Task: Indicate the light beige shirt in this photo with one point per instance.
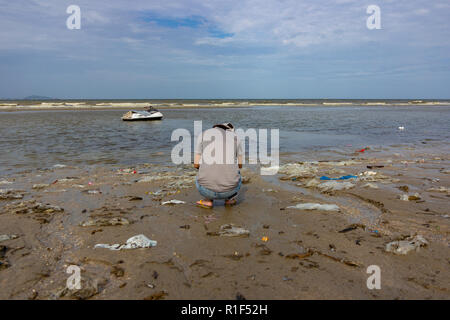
(219, 150)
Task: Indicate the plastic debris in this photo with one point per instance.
(127, 171)
(40, 186)
(374, 167)
(346, 163)
(352, 227)
(369, 185)
(104, 222)
(139, 241)
(5, 237)
(229, 230)
(406, 246)
(406, 197)
(335, 186)
(315, 206)
(59, 166)
(68, 179)
(298, 171)
(312, 183)
(11, 194)
(373, 176)
(265, 239)
(172, 202)
(92, 191)
(440, 189)
(341, 178)
(5, 182)
(245, 179)
(362, 150)
(327, 186)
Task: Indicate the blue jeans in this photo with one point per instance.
(212, 195)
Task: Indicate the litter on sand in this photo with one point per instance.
(406, 246)
(172, 202)
(229, 230)
(440, 189)
(341, 178)
(369, 185)
(315, 206)
(298, 171)
(11, 194)
(406, 197)
(335, 186)
(139, 241)
(5, 237)
(374, 167)
(40, 186)
(105, 222)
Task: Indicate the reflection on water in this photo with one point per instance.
(39, 139)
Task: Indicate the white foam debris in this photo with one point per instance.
(40, 186)
(335, 186)
(405, 197)
(139, 241)
(440, 189)
(5, 237)
(174, 201)
(372, 176)
(299, 171)
(406, 246)
(5, 182)
(370, 186)
(315, 206)
(269, 171)
(230, 230)
(11, 194)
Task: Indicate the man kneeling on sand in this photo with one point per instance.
(218, 156)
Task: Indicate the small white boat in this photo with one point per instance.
(149, 114)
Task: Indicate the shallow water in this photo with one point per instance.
(40, 139)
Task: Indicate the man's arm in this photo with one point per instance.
(240, 161)
(197, 160)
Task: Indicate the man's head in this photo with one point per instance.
(224, 126)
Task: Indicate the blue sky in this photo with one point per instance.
(225, 49)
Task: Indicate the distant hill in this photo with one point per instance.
(34, 97)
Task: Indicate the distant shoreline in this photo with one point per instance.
(30, 105)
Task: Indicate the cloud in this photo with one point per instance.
(218, 40)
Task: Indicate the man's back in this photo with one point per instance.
(219, 150)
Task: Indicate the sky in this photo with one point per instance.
(210, 49)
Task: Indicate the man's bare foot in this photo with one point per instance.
(205, 204)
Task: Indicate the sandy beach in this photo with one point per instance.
(52, 218)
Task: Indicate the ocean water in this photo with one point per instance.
(41, 139)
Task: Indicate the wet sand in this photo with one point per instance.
(288, 254)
